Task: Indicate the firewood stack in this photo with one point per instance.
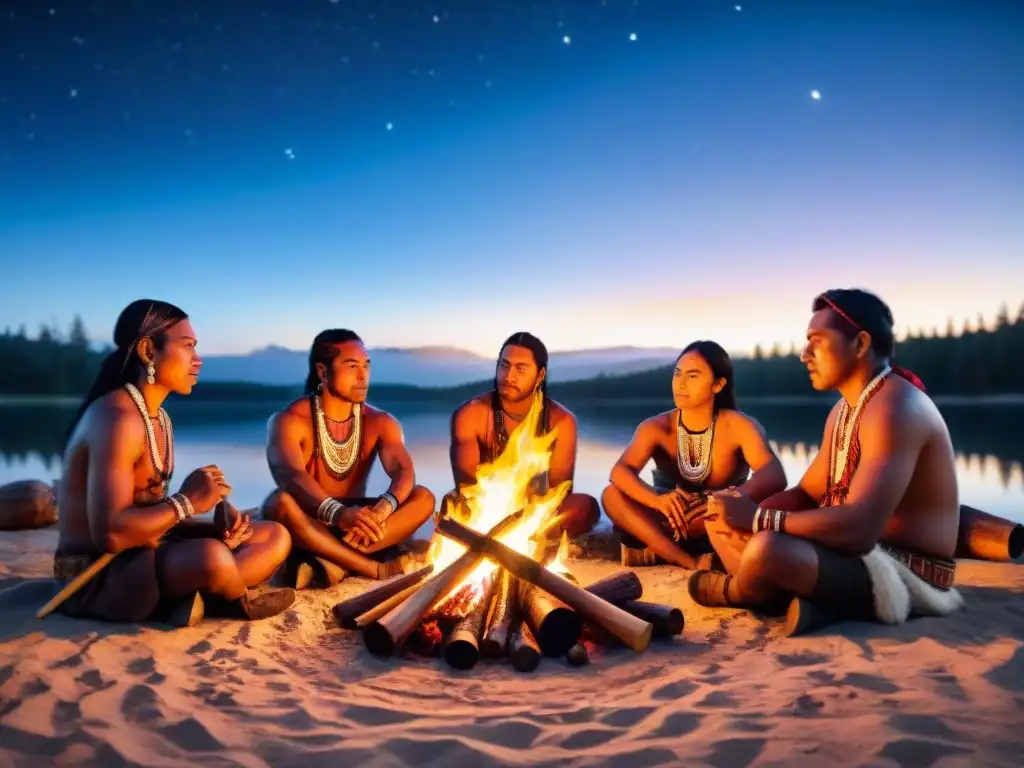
(523, 611)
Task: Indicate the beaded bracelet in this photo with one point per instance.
(390, 499)
(769, 520)
(328, 510)
(182, 506)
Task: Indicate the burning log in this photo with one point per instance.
(347, 611)
(365, 619)
(523, 651)
(462, 650)
(987, 537)
(499, 616)
(636, 633)
(578, 655)
(388, 632)
(554, 624)
(667, 620)
(618, 588)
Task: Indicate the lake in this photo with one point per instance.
(988, 440)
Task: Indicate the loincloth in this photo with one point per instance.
(906, 584)
(125, 591)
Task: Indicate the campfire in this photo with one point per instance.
(493, 588)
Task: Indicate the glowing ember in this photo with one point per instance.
(502, 489)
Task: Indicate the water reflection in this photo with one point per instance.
(988, 463)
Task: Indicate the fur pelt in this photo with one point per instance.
(900, 593)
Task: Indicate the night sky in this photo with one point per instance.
(600, 172)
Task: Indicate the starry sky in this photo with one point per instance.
(601, 172)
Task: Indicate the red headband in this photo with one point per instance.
(899, 370)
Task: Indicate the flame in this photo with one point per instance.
(558, 564)
(502, 489)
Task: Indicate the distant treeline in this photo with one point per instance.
(977, 360)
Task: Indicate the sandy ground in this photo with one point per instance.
(298, 691)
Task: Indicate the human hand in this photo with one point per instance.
(361, 523)
(672, 505)
(239, 532)
(205, 487)
(735, 509)
(381, 511)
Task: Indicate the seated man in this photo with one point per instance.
(320, 450)
(703, 444)
(118, 461)
(870, 531)
(480, 429)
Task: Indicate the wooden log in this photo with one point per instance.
(578, 655)
(365, 619)
(499, 617)
(387, 633)
(667, 620)
(462, 649)
(26, 504)
(523, 651)
(983, 536)
(347, 611)
(618, 587)
(554, 624)
(634, 632)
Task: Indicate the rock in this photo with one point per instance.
(26, 504)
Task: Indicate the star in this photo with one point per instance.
(289, 153)
(437, 19)
(389, 126)
(739, 7)
(632, 36)
(566, 39)
(73, 93)
(816, 95)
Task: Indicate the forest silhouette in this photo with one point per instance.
(977, 359)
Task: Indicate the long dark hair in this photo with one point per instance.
(540, 357)
(324, 350)
(720, 363)
(143, 318)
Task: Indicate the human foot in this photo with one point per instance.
(710, 589)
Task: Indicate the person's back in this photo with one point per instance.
(927, 516)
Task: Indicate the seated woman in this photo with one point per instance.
(118, 462)
(702, 445)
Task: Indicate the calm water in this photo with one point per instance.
(988, 439)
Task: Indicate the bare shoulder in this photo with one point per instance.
(560, 416)
(295, 419)
(379, 419)
(660, 424)
(115, 417)
(739, 422)
(899, 405)
(475, 410)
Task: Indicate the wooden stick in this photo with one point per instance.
(554, 624)
(385, 635)
(618, 587)
(983, 536)
(462, 649)
(347, 611)
(667, 620)
(500, 616)
(634, 632)
(365, 619)
(523, 651)
(75, 584)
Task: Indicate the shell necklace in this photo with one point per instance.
(843, 429)
(339, 457)
(154, 454)
(694, 471)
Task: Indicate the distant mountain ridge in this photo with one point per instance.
(434, 366)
